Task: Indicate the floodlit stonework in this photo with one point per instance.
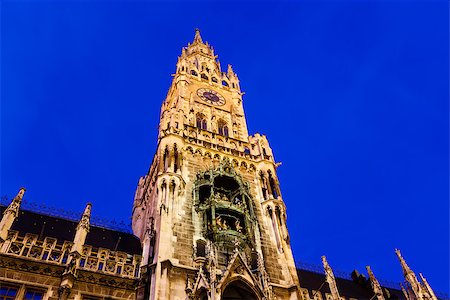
(210, 212)
(209, 220)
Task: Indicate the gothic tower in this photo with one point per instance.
(209, 213)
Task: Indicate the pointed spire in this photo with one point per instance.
(198, 37)
(410, 277)
(405, 267)
(330, 279)
(10, 214)
(428, 287)
(82, 230)
(230, 70)
(376, 287)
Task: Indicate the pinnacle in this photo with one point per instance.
(197, 38)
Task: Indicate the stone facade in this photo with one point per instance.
(38, 260)
(210, 212)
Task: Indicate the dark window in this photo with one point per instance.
(203, 76)
(175, 158)
(214, 79)
(201, 121)
(223, 128)
(8, 292)
(194, 73)
(201, 248)
(166, 159)
(34, 295)
(273, 186)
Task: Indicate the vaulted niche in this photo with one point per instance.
(224, 205)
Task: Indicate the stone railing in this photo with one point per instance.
(111, 262)
(50, 251)
(221, 143)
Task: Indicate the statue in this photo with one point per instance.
(238, 226)
(224, 225)
(219, 222)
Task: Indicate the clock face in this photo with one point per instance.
(210, 96)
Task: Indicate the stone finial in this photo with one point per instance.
(376, 287)
(428, 288)
(230, 70)
(10, 214)
(405, 268)
(330, 279)
(85, 218)
(198, 37)
(82, 230)
(410, 277)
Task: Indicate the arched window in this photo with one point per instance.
(223, 128)
(214, 79)
(224, 83)
(175, 159)
(201, 248)
(203, 76)
(273, 186)
(263, 185)
(166, 159)
(201, 121)
(194, 73)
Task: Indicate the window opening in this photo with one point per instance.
(8, 292)
(201, 121)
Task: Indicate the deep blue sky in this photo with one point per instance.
(353, 96)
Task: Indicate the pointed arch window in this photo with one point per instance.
(273, 186)
(201, 121)
(175, 159)
(203, 76)
(214, 79)
(194, 73)
(223, 128)
(166, 159)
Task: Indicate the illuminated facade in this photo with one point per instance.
(209, 220)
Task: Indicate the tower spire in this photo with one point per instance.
(198, 37)
(330, 279)
(10, 214)
(376, 287)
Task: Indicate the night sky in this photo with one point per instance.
(352, 95)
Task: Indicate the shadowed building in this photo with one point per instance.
(209, 220)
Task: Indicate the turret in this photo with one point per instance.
(376, 287)
(330, 279)
(10, 215)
